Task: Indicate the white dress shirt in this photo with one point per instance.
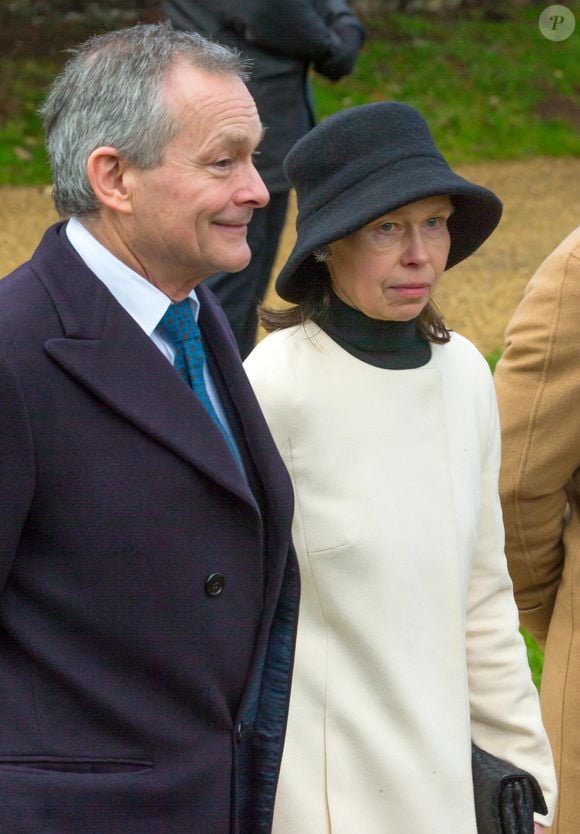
(142, 300)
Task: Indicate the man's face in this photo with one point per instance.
(190, 213)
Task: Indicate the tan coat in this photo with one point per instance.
(408, 640)
(538, 386)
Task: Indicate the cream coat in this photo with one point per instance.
(408, 639)
(538, 386)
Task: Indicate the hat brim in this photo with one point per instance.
(477, 211)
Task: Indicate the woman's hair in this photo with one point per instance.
(315, 306)
(111, 93)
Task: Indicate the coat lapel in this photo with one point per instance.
(109, 354)
(276, 485)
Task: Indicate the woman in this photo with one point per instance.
(408, 643)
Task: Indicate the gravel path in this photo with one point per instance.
(542, 205)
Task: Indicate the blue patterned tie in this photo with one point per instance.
(181, 329)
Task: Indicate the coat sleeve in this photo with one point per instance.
(350, 33)
(318, 32)
(538, 387)
(17, 466)
(504, 704)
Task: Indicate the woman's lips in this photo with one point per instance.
(411, 290)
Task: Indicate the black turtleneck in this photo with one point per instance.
(396, 345)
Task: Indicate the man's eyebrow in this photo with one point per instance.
(236, 138)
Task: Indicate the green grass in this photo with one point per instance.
(22, 155)
(478, 83)
(535, 657)
(493, 358)
(481, 85)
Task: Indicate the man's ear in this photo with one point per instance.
(107, 172)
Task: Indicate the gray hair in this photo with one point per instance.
(111, 93)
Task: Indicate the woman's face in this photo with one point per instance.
(389, 268)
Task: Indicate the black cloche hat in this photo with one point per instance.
(364, 162)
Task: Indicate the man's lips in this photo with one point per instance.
(235, 225)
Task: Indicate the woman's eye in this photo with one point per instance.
(223, 163)
(435, 222)
(387, 227)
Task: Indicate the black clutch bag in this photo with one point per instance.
(505, 796)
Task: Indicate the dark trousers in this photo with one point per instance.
(239, 293)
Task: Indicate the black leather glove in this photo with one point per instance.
(341, 60)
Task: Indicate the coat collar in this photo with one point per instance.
(108, 353)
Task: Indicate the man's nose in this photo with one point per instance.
(255, 191)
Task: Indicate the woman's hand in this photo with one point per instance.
(538, 829)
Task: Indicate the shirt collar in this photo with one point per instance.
(144, 302)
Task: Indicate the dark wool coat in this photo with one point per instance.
(283, 39)
(132, 700)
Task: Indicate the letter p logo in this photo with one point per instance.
(557, 23)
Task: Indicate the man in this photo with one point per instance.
(282, 39)
(538, 386)
(149, 591)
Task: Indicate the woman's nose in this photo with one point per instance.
(415, 251)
